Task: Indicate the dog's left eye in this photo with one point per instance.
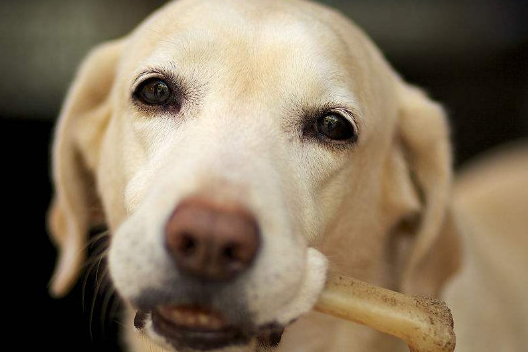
(153, 92)
(336, 127)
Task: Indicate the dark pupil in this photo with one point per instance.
(155, 92)
(335, 127)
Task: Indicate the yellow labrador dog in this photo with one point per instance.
(236, 149)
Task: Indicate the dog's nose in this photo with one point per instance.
(212, 241)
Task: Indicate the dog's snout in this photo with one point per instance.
(212, 241)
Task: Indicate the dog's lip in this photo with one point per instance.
(195, 327)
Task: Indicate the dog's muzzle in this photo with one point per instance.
(211, 245)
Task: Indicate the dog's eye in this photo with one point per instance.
(335, 127)
(153, 92)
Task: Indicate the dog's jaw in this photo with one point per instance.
(143, 336)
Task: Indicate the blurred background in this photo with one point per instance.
(471, 55)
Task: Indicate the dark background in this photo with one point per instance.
(470, 55)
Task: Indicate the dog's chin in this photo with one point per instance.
(186, 328)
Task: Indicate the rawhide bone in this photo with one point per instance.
(425, 324)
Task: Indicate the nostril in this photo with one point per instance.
(187, 244)
(231, 252)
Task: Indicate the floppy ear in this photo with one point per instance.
(424, 178)
(76, 207)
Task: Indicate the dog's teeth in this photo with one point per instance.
(204, 319)
(176, 315)
(193, 318)
(216, 324)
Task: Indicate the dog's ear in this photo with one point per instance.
(424, 177)
(79, 132)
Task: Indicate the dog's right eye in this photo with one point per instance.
(153, 91)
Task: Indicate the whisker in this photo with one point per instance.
(93, 262)
(97, 247)
(96, 292)
(109, 296)
(116, 303)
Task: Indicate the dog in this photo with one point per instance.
(237, 149)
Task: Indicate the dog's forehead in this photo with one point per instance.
(249, 47)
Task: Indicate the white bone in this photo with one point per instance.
(425, 324)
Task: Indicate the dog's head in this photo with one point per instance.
(220, 142)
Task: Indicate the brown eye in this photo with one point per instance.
(335, 127)
(153, 92)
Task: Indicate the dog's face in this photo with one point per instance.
(225, 139)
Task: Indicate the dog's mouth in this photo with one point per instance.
(201, 328)
(192, 318)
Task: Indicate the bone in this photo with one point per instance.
(425, 324)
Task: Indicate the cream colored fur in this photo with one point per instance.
(381, 210)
